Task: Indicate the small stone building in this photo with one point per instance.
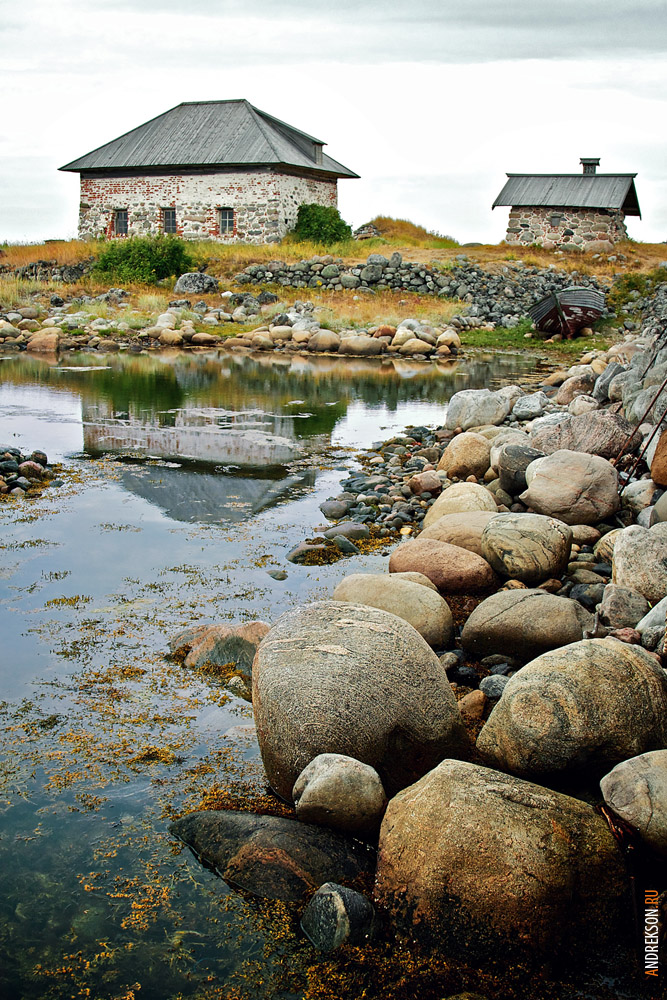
(220, 170)
(579, 210)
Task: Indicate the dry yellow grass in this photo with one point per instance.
(60, 251)
(409, 232)
(346, 309)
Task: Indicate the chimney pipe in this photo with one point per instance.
(590, 164)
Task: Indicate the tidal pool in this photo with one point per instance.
(104, 739)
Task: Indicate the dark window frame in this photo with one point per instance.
(171, 228)
(226, 221)
(121, 222)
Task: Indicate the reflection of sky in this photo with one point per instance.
(37, 417)
(363, 424)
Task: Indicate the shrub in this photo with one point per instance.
(321, 224)
(629, 286)
(145, 259)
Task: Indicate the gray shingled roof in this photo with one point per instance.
(611, 191)
(211, 133)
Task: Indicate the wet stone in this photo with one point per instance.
(334, 509)
(269, 856)
(493, 686)
(344, 545)
(337, 915)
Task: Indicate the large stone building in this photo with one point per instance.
(220, 170)
(579, 210)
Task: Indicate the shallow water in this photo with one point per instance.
(102, 737)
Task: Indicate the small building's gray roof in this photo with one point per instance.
(611, 191)
(211, 134)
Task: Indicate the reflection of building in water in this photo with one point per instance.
(189, 495)
(246, 438)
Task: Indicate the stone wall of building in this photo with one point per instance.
(556, 227)
(264, 202)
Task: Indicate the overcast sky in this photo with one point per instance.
(430, 101)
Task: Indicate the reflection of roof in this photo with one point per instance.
(611, 191)
(188, 495)
(211, 134)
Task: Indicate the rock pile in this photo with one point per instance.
(298, 329)
(52, 272)
(21, 472)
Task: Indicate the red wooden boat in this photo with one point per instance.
(567, 311)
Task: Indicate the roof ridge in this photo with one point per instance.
(583, 176)
(224, 100)
(278, 121)
(264, 129)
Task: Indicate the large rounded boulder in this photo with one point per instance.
(598, 433)
(340, 792)
(464, 529)
(459, 498)
(587, 705)
(640, 562)
(498, 867)
(422, 607)
(466, 455)
(526, 547)
(572, 486)
(523, 624)
(636, 790)
(452, 569)
(476, 407)
(348, 679)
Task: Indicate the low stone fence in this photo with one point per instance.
(51, 271)
(500, 298)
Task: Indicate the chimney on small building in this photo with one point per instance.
(590, 164)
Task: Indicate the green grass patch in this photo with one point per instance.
(503, 339)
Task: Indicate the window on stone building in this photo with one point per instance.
(226, 221)
(556, 220)
(120, 222)
(169, 220)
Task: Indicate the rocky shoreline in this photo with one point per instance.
(467, 713)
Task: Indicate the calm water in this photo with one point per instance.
(103, 738)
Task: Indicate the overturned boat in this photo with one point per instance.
(568, 310)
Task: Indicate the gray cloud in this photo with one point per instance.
(425, 30)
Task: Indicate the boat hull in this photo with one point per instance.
(568, 311)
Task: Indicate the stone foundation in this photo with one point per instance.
(265, 203)
(560, 227)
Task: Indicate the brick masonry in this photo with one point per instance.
(265, 203)
(555, 227)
